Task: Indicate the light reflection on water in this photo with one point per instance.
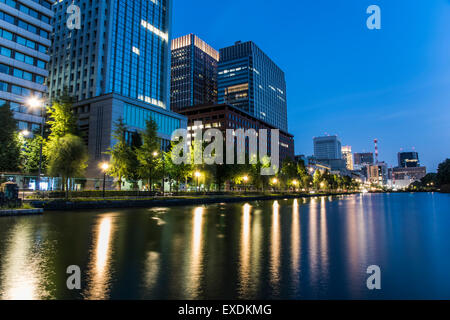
(289, 249)
(100, 272)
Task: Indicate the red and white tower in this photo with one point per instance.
(376, 150)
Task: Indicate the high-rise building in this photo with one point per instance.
(361, 159)
(194, 73)
(117, 65)
(408, 160)
(24, 41)
(348, 156)
(328, 147)
(251, 81)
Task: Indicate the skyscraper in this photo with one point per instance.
(251, 81)
(117, 66)
(24, 41)
(194, 73)
(327, 148)
(408, 160)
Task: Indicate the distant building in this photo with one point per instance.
(194, 73)
(25, 30)
(409, 173)
(225, 117)
(377, 174)
(408, 160)
(363, 158)
(249, 80)
(348, 156)
(327, 148)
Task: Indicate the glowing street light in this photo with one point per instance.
(34, 102)
(25, 133)
(245, 178)
(105, 167)
(197, 175)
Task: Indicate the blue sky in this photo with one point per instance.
(391, 84)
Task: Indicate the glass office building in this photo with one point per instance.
(24, 41)
(194, 73)
(122, 47)
(251, 81)
(328, 148)
(117, 66)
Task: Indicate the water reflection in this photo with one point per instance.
(100, 271)
(295, 244)
(195, 264)
(244, 270)
(22, 267)
(275, 249)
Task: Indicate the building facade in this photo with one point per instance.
(377, 174)
(224, 116)
(194, 73)
(348, 156)
(409, 173)
(328, 148)
(25, 29)
(408, 160)
(117, 66)
(361, 159)
(252, 82)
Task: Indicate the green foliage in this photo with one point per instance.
(68, 159)
(148, 154)
(124, 160)
(443, 174)
(9, 141)
(30, 155)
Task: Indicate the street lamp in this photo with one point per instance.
(34, 102)
(105, 167)
(274, 182)
(197, 174)
(245, 178)
(295, 184)
(25, 133)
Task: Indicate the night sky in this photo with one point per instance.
(391, 84)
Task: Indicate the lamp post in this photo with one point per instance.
(245, 178)
(154, 154)
(34, 102)
(295, 183)
(275, 182)
(105, 168)
(197, 174)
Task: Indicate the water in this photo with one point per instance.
(316, 248)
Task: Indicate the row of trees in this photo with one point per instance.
(441, 179)
(137, 157)
(64, 153)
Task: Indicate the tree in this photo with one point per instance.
(68, 159)
(148, 153)
(443, 174)
(124, 162)
(288, 172)
(317, 179)
(30, 155)
(61, 121)
(9, 141)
